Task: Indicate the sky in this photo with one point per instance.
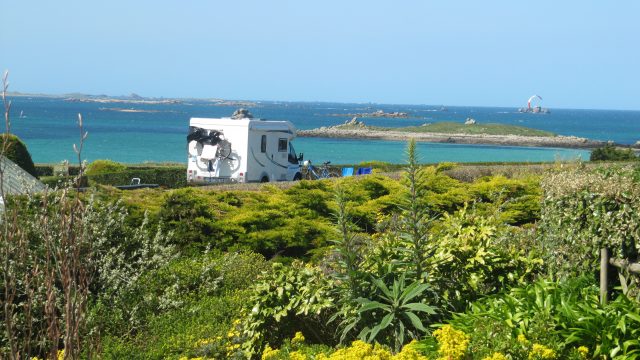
(575, 54)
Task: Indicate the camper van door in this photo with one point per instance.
(294, 165)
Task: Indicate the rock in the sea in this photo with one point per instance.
(469, 121)
(241, 114)
(354, 122)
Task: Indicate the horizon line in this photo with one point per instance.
(60, 95)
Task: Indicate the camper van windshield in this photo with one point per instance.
(293, 158)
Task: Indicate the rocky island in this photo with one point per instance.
(470, 132)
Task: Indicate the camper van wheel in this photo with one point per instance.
(297, 177)
(264, 179)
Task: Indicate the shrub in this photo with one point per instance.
(477, 255)
(584, 211)
(186, 307)
(44, 170)
(104, 166)
(611, 153)
(549, 320)
(285, 300)
(18, 153)
(192, 219)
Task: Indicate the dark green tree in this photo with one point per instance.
(18, 153)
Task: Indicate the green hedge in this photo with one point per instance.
(17, 152)
(62, 181)
(44, 170)
(166, 176)
(170, 176)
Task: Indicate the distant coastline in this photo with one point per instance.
(135, 99)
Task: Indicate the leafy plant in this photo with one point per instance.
(414, 220)
(285, 300)
(548, 317)
(390, 316)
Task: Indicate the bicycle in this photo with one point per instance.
(323, 172)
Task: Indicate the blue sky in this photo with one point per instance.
(575, 54)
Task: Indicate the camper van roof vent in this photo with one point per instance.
(242, 114)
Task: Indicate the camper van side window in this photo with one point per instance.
(263, 144)
(282, 145)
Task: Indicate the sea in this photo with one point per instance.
(157, 132)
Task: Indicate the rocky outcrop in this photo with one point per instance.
(241, 114)
(507, 140)
(470, 121)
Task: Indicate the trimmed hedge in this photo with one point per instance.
(62, 181)
(170, 176)
(104, 167)
(18, 153)
(44, 170)
(166, 176)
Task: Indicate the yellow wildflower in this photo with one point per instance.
(583, 351)
(409, 352)
(539, 351)
(296, 355)
(203, 342)
(298, 338)
(453, 343)
(496, 356)
(359, 350)
(269, 353)
(523, 340)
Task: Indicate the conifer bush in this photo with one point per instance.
(17, 152)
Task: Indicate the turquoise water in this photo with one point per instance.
(49, 127)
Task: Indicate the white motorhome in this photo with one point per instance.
(241, 149)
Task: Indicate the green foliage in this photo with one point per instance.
(285, 300)
(172, 177)
(391, 314)
(186, 307)
(104, 167)
(584, 211)
(477, 255)
(17, 152)
(192, 219)
(193, 330)
(611, 153)
(44, 170)
(562, 317)
(414, 223)
(112, 254)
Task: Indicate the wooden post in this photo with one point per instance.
(604, 274)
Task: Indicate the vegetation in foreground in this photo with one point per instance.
(422, 268)
(425, 267)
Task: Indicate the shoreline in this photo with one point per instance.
(559, 141)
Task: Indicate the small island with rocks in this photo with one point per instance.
(469, 132)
